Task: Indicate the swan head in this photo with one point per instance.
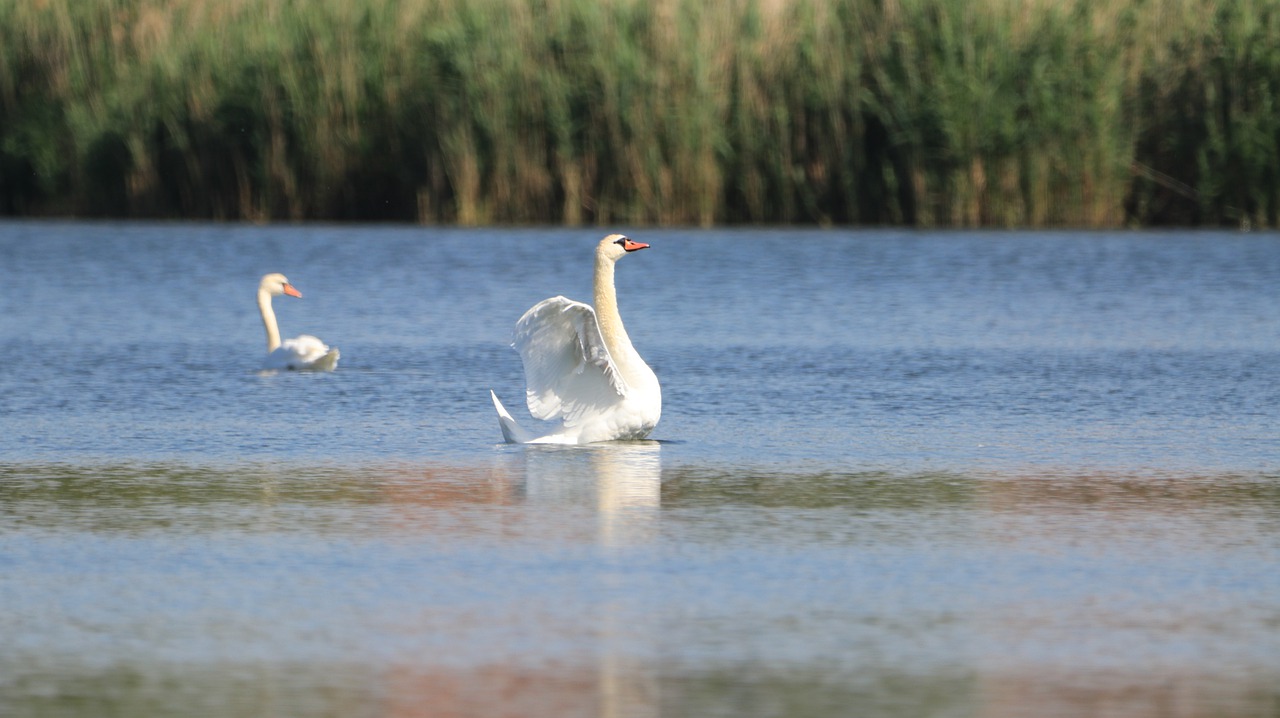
(616, 245)
(277, 284)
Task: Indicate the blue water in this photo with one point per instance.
(916, 473)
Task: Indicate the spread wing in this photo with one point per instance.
(568, 372)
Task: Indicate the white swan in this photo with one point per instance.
(301, 352)
(580, 368)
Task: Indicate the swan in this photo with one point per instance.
(581, 371)
(301, 352)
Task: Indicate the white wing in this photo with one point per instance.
(568, 372)
(303, 352)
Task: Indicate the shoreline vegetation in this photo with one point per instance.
(928, 113)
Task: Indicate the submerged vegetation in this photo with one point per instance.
(915, 112)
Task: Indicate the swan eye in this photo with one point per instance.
(622, 242)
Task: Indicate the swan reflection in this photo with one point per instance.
(621, 481)
(526, 509)
(611, 476)
(622, 484)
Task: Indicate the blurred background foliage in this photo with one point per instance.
(950, 113)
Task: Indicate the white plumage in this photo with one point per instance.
(303, 352)
(581, 372)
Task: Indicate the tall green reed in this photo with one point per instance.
(917, 112)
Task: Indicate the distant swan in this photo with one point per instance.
(580, 368)
(301, 352)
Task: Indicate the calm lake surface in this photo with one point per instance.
(897, 474)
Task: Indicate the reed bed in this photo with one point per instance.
(906, 112)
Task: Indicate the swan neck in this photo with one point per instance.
(606, 306)
(269, 320)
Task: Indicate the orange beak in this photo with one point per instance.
(291, 291)
(632, 245)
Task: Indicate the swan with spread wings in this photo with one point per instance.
(582, 374)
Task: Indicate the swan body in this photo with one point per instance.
(303, 352)
(581, 373)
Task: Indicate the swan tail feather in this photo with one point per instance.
(329, 361)
(512, 432)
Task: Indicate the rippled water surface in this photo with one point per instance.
(897, 474)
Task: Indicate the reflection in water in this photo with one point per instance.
(614, 580)
(610, 495)
(621, 481)
(1125, 614)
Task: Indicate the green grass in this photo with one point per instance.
(914, 112)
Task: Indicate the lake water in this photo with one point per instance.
(897, 474)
